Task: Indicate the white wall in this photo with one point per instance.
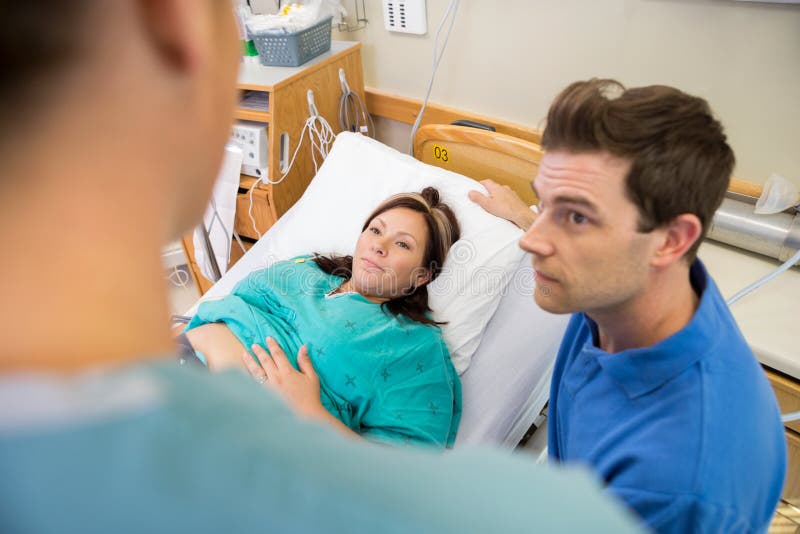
(509, 59)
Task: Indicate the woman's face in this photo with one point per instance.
(388, 259)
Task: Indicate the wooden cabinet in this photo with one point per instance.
(262, 214)
(787, 391)
(286, 89)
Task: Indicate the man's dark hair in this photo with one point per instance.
(680, 158)
(38, 39)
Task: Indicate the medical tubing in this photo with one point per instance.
(769, 238)
(437, 57)
(789, 417)
(760, 282)
(350, 99)
(320, 139)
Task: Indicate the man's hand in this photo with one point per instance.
(504, 203)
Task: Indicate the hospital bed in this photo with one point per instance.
(502, 343)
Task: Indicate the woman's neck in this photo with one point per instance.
(348, 287)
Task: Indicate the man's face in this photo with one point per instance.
(586, 250)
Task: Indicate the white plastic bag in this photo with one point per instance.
(296, 17)
(778, 194)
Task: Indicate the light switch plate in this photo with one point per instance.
(405, 16)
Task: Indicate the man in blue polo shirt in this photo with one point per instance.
(654, 386)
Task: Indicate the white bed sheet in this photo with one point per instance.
(508, 382)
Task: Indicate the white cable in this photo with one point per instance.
(353, 115)
(437, 57)
(178, 277)
(320, 138)
(760, 282)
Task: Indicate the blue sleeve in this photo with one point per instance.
(418, 399)
(667, 513)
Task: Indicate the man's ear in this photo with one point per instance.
(175, 29)
(679, 236)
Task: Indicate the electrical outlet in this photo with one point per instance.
(405, 16)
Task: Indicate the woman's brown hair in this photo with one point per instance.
(443, 231)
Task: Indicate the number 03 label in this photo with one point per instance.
(440, 154)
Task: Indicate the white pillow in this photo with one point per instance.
(358, 174)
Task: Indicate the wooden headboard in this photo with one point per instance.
(508, 160)
(481, 154)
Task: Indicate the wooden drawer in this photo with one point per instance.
(787, 391)
(262, 213)
(791, 489)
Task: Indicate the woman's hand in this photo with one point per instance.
(502, 202)
(300, 389)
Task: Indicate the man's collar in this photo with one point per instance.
(639, 371)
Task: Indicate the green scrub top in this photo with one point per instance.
(160, 448)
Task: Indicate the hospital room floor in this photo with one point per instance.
(786, 520)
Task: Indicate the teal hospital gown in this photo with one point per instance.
(390, 379)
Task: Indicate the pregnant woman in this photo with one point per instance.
(361, 350)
